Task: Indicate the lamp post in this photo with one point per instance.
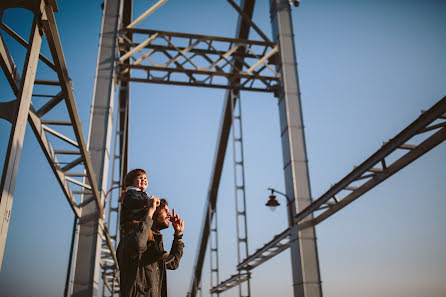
(273, 203)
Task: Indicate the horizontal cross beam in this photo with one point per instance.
(431, 124)
(199, 60)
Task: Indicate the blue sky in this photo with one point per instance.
(366, 70)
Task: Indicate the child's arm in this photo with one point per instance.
(137, 241)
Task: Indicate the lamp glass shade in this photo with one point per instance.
(272, 202)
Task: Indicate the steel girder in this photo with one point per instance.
(304, 255)
(373, 171)
(225, 127)
(119, 162)
(428, 131)
(421, 136)
(199, 60)
(278, 244)
(233, 281)
(18, 114)
(304, 258)
(89, 252)
(62, 141)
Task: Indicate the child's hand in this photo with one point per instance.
(153, 203)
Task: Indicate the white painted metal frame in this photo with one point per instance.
(19, 111)
(69, 165)
(422, 135)
(304, 256)
(205, 61)
(92, 230)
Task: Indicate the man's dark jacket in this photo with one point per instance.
(139, 274)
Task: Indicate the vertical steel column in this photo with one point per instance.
(70, 257)
(239, 184)
(213, 245)
(124, 94)
(304, 257)
(120, 146)
(88, 251)
(19, 112)
(225, 125)
(115, 184)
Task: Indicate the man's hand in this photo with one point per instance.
(177, 223)
(152, 203)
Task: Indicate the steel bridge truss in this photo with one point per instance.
(172, 58)
(47, 103)
(421, 136)
(199, 60)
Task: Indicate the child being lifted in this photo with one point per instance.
(135, 205)
(141, 257)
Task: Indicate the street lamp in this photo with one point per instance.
(273, 203)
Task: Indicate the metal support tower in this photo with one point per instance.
(305, 266)
(422, 135)
(88, 252)
(227, 68)
(119, 160)
(62, 141)
(18, 111)
(239, 191)
(304, 257)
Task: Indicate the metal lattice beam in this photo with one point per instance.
(422, 135)
(233, 281)
(225, 126)
(62, 141)
(207, 61)
(279, 243)
(19, 114)
(92, 230)
(429, 130)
